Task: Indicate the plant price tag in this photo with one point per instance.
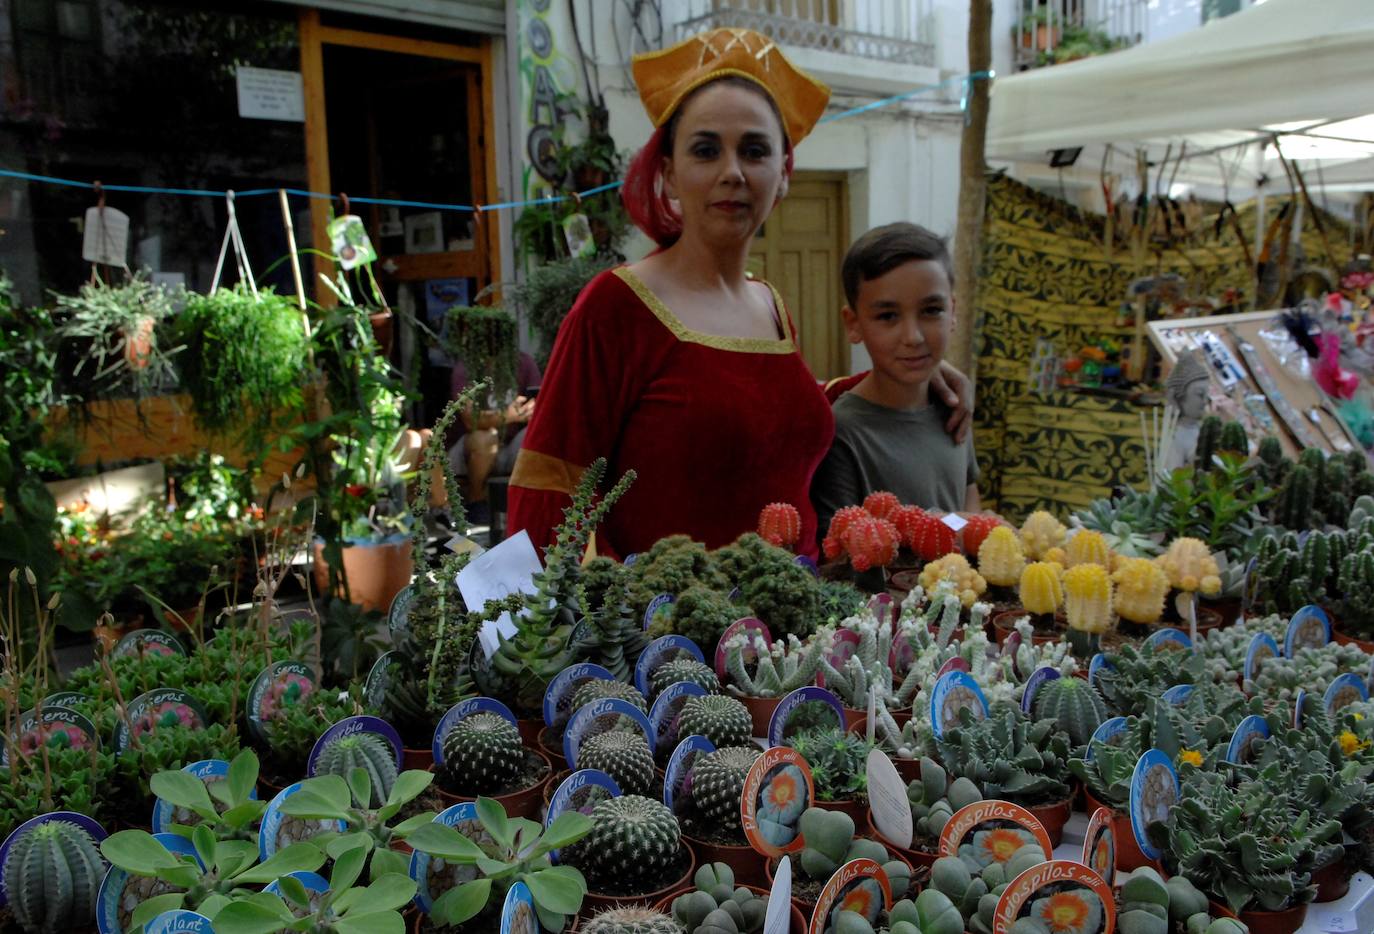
(494, 575)
(105, 237)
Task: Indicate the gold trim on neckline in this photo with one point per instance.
(782, 345)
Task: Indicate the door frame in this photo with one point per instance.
(483, 262)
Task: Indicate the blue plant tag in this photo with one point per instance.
(278, 830)
(662, 605)
(955, 691)
(1346, 689)
(809, 563)
(81, 820)
(1250, 587)
(398, 614)
(158, 709)
(1154, 792)
(313, 882)
(1163, 640)
(663, 649)
(1243, 739)
(777, 724)
(279, 685)
(1298, 702)
(1310, 628)
(1098, 665)
(461, 711)
(1262, 648)
(431, 883)
(630, 559)
(60, 727)
(350, 726)
(179, 921)
(677, 778)
(378, 682)
(144, 642)
(558, 695)
(114, 904)
(1033, 684)
(517, 914)
(598, 717)
(1177, 694)
(208, 771)
(580, 791)
(1107, 733)
(663, 716)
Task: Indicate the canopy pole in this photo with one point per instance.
(968, 240)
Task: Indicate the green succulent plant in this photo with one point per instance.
(595, 689)
(718, 785)
(622, 754)
(614, 637)
(1073, 704)
(633, 842)
(717, 905)
(782, 593)
(973, 890)
(830, 843)
(52, 876)
(678, 670)
(838, 760)
(723, 720)
(483, 754)
(1009, 756)
(934, 798)
(779, 669)
(635, 919)
(367, 751)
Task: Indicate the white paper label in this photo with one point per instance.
(269, 94)
(778, 918)
(496, 574)
(888, 801)
(106, 237)
(954, 521)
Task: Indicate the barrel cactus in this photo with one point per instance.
(718, 784)
(482, 754)
(1041, 590)
(622, 754)
(684, 669)
(602, 689)
(366, 751)
(634, 920)
(1072, 703)
(634, 842)
(52, 875)
(723, 720)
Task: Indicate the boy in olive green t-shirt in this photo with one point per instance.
(889, 430)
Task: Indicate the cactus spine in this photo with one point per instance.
(1088, 547)
(482, 754)
(1074, 704)
(601, 689)
(684, 669)
(634, 920)
(366, 751)
(723, 720)
(780, 525)
(718, 783)
(623, 755)
(633, 840)
(1087, 605)
(53, 874)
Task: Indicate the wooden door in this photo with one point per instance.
(799, 250)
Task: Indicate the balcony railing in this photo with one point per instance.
(885, 30)
(1049, 32)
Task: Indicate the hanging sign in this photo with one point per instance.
(270, 94)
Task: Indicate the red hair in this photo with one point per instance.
(644, 195)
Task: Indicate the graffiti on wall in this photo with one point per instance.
(545, 80)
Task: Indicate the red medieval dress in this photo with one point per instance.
(715, 427)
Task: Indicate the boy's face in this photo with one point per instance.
(904, 318)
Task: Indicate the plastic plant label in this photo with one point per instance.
(1250, 587)
(81, 820)
(581, 791)
(507, 568)
(144, 642)
(988, 832)
(630, 559)
(60, 728)
(888, 801)
(1243, 739)
(64, 699)
(843, 645)
(1299, 701)
(517, 913)
(860, 886)
(378, 682)
(209, 771)
(1099, 845)
(278, 686)
(1106, 734)
(278, 830)
(1177, 694)
(777, 790)
(1310, 628)
(349, 240)
(1154, 792)
(954, 521)
(105, 237)
(1061, 895)
(598, 717)
(778, 731)
(956, 663)
(809, 563)
(660, 606)
(883, 607)
(120, 893)
(1033, 684)
(778, 918)
(1346, 689)
(901, 656)
(179, 921)
(461, 544)
(1262, 648)
(661, 650)
(677, 777)
(313, 882)
(749, 624)
(1098, 664)
(351, 726)
(158, 709)
(559, 694)
(955, 691)
(462, 818)
(461, 711)
(398, 614)
(577, 233)
(663, 716)
(1169, 640)
(735, 595)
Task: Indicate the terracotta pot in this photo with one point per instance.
(909, 769)
(798, 925)
(917, 859)
(1332, 880)
(856, 808)
(1337, 635)
(853, 717)
(1228, 609)
(1002, 627)
(416, 758)
(551, 745)
(761, 711)
(182, 620)
(746, 862)
(596, 902)
(383, 330)
(551, 785)
(529, 731)
(376, 572)
(1128, 854)
(523, 803)
(1208, 619)
(1286, 921)
(902, 583)
(1053, 817)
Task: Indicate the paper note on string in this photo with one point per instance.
(494, 575)
(106, 237)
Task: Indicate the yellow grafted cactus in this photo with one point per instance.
(1040, 533)
(1056, 556)
(1141, 586)
(1000, 558)
(955, 567)
(1088, 547)
(1088, 598)
(1191, 567)
(1041, 592)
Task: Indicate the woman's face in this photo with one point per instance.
(726, 169)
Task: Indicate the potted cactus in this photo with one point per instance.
(52, 873)
(592, 689)
(1041, 592)
(1073, 704)
(633, 854)
(838, 761)
(708, 811)
(482, 755)
(723, 720)
(777, 670)
(930, 913)
(1001, 560)
(830, 842)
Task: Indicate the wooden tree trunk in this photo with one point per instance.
(968, 239)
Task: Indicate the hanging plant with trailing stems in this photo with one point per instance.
(114, 330)
(485, 339)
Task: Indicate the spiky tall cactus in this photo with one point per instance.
(52, 875)
(600, 689)
(718, 783)
(623, 755)
(781, 668)
(1209, 433)
(723, 720)
(482, 754)
(1087, 605)
(1273, 466)
(1233, 439)
(633, 842)
(614, 638)
(684, 669)
(1073, 704)
(1088, 547)
(366, 751)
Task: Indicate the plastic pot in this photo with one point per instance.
(1332, 880)
(551, 745)
(1053, 817)
(416, 758)
(376, 571)
(1002, 627)
(1128, 854)
(522, 803)
(798, 925)
(1286, 921)
(747, 863)
(760, 711)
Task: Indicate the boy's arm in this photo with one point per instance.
(972, 502)
(838, 482)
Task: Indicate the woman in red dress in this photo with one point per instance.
(681, 366)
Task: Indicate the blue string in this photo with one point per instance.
(965, 80)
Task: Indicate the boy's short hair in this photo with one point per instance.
(883, 249)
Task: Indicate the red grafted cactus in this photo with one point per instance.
(906, 519)
(780, 525)
(931, 538)
(882, 504)
(977, 529)
(871, 542)
(833, 545)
